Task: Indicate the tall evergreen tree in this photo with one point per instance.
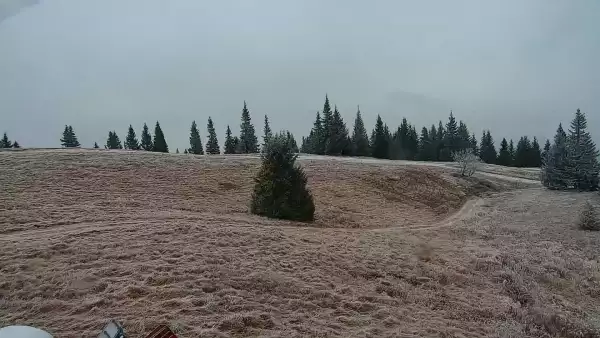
(536, 154)
(177, 151)
(248, 140)
(230, 145)
(267, 131)
(504, 156)
(546, 150)
(425, 146)
(380, 139)
(412, 144)
(5, 142)
(338, 136)
(433, 134)
(451, 139)
(523, 153)
(212, 145)
(582, 155)
(464, 138)
(96, 145)
(69, 139)
(441, 135)
(74, 141)
(554, 172)
(327, 121)
(113, 141)
(131, 141)
(65, 141)
(146, 143)
(473, 145)
(487, 149)
(293, 146)
(316, 142)
(160, 144)
(360, 139)
(195, 140)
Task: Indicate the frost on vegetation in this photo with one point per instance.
(467, 161)
(588, 219)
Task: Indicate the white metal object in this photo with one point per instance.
(18, 331)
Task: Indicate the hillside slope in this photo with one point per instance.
(151, 238)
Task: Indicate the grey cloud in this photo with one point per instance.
(513, 66)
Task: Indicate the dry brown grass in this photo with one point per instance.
(148, 238)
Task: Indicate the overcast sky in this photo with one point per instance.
(516, 67)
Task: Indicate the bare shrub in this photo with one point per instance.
(588, 219)
(467, 162)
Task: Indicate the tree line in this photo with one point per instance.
(330, 136)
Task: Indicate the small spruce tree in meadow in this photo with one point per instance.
(146, 142)
(195, 140)
(280, 189)
(5, 142)
(160, 144)
(230, 145)
(131, 141)
(212, 145)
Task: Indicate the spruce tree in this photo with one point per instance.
(582, 156)
(360, 139)
(536, 154)
(69, 139)
(554, 171)
(523, 153)
(487, 149)
(316, 139)
(380, 139)
(464, 138)
(267, 133)
(16, 145)
(146, 141)
(412, 143)
(546, 150)
(195, 140)
(280, 189)
(230, 145)
(74, 141)
(451, 139)
(96, 145)
(177, 151)
(5, 142)
(113, 141)
(441, 134)
(433, 134)
(338, 136)
(131, 141)
(293, 146)
(424, 146)
(185, 151)
(473, 145)
(248, 140)
(504, 156)
(160, 144)
(326, 126)
(212, 145)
